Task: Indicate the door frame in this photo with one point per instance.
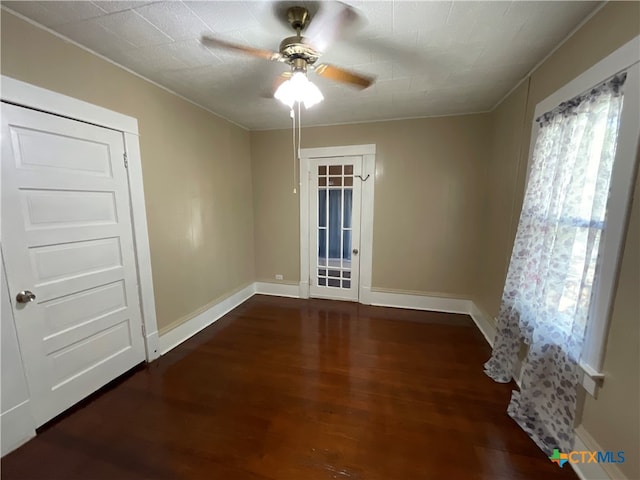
(30, 96)
(368, 154)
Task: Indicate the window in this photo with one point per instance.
(598, 232)
(564, 208)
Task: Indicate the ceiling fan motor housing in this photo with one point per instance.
(296, 48)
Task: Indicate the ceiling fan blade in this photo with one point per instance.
(341, 75)
(331, 22)
(256, 52)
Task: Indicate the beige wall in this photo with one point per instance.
(196, 167)
(612, 419)
(504, 181)
(427, 200)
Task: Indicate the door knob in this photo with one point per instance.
(25, 296)
(355, 251)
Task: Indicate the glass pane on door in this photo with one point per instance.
(335, 196)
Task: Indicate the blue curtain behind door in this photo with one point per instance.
(335, 223)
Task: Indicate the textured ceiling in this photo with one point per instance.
(430, 58)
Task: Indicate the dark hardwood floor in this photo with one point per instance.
(299, 389)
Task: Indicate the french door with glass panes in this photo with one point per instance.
(334, 218)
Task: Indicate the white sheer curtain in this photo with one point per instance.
(545, 302)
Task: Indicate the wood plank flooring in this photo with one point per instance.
(288, 389)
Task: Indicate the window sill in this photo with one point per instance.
(591, 379)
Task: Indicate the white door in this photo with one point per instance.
(67, 240)
(334, 219)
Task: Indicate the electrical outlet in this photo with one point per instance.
(279, 276)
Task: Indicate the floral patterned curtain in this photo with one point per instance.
(545, 302)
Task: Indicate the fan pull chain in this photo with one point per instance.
(296, 147)
(293, 118)
(299, 142)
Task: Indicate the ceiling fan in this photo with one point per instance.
(301, 53)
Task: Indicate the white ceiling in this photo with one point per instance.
(430, 58)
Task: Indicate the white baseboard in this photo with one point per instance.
(408, 300)
(365, 295)
(17, 427)
(152, 346)
(418, 302)
(483, 322)
(303, 290)
(188, 329)
(413, 301)
(278, 289)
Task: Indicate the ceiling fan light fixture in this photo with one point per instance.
(299, 89)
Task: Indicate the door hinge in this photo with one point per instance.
(126, 160)
(144, 331)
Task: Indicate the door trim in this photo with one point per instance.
(29, 96)
(368, 154)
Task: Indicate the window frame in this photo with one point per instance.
(627, 57)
